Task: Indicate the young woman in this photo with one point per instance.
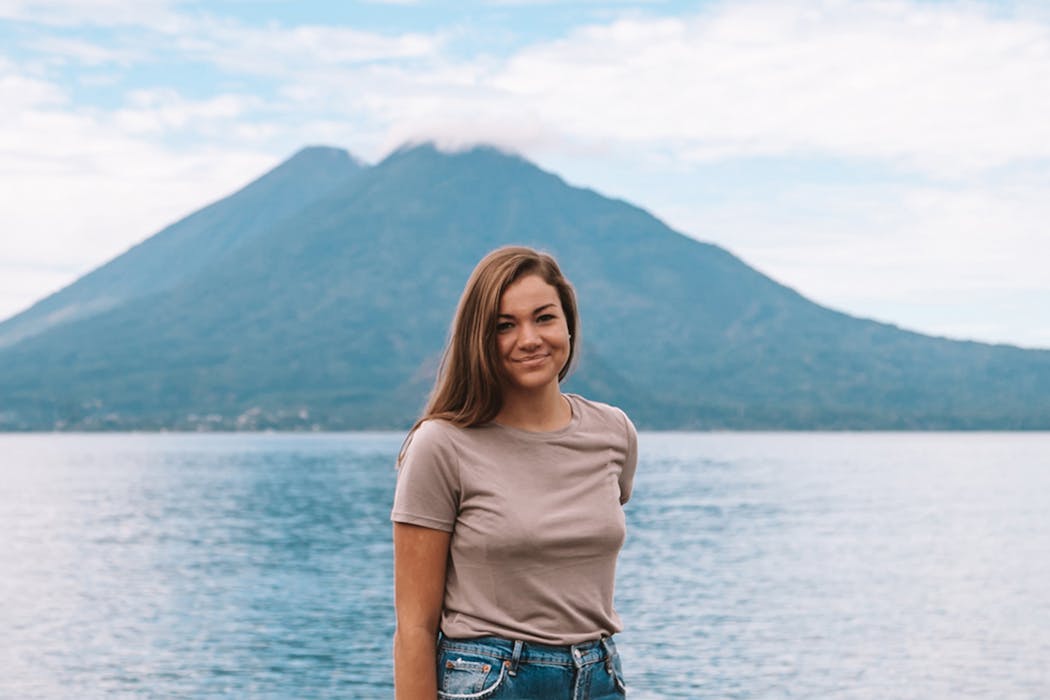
(508, 511)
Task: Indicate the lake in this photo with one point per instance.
(757, 565)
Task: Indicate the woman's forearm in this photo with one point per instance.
(415, 664)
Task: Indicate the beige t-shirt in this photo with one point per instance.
(536, 521)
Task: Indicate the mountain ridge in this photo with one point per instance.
(162, 259)
(338, 312)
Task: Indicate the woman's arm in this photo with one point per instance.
(420, 558)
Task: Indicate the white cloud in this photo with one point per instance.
(88, 204)
(85, 53)
(270, 49)
(160, 14)
(78, 188)
(19, 93)
(950, 92)
(541, 3)
(878, 80)
(948, 89)
(295, 52)
(161, 110)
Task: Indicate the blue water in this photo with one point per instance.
(756, 566)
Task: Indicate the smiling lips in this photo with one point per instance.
(532, 359)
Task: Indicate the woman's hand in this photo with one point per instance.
(420, 558)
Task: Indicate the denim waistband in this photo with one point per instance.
(515, 651)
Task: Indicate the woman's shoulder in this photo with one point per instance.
(600, 411)
(432, 436)
(436, 428)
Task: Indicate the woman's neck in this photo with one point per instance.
(538, 411)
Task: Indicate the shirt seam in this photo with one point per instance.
(400, 516)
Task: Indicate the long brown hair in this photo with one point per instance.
(467, 391)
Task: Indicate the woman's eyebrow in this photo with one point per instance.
(535, 311)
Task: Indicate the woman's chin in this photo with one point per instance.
(532, 382)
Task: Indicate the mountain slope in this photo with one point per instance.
(335, 316)
(180, 250)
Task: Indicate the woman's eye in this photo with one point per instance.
(505, 326)
(546, 317)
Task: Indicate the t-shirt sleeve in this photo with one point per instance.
(630, 462)
(428, 487)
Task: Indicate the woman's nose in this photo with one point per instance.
(529, 335)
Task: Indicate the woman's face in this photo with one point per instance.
(532, 334)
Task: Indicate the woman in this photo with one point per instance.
(508, 511)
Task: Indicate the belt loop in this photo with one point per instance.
(607, 645)
(516, 656)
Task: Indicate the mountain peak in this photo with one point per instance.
(180, 250)
(321, 156)
(310, 169)
(320, 296)
(432, 150)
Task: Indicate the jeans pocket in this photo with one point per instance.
(468, 676)
(617, 673)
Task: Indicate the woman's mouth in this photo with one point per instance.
(531, 360)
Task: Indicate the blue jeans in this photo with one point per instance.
(502, 669)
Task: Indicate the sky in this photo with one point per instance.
(886, 158)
